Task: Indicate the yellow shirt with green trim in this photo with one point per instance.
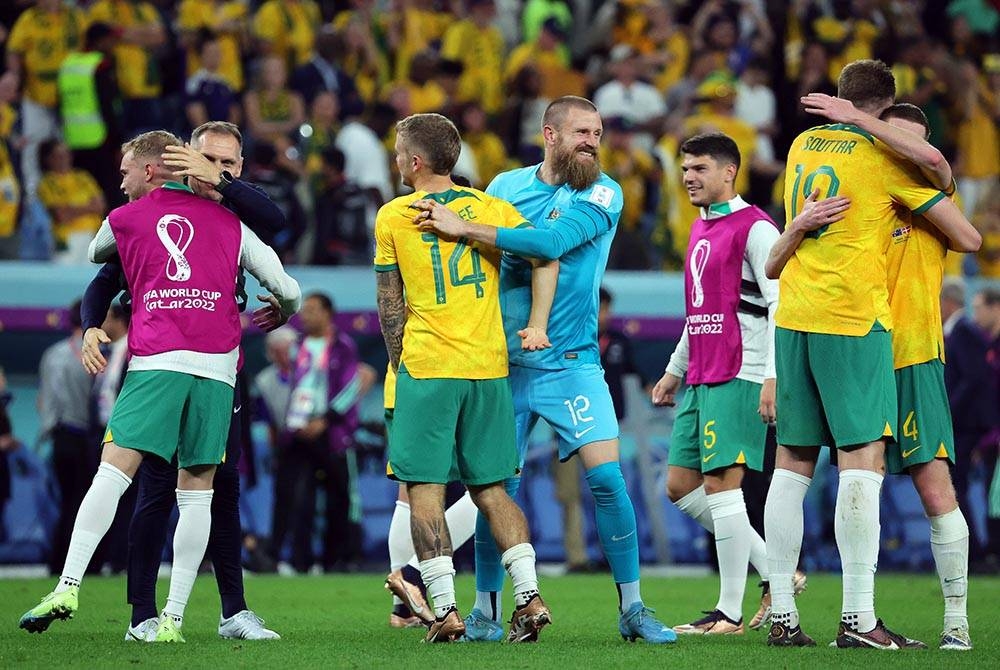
(195, 14)
(453, 325)
(137, 68)
(481, 52)
(916, 263)
(43, 40)
(290, 28)
(10, 188)
(75, 188)
(836, 282)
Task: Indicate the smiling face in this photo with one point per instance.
(573, 147)
(707, 181)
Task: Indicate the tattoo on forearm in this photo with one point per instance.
(391, 313)
(430, 538)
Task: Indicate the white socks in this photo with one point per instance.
(519, 561)
(194, 521)
(783, 528)
(438, 574)
(950, 546)
(732, 543)
(400, 540)
(695, 505)
(461, 520)
(97, 512)
(857, 529)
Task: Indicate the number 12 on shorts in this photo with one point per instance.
(578, 408)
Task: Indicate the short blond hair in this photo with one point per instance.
(432, 136)
(151, 144)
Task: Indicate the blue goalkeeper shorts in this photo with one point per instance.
(575, 402)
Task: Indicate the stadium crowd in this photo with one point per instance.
(316, 87)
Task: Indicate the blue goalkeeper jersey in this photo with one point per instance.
(576, 227)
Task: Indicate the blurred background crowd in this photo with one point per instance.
(316, 86)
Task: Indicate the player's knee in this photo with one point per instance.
(933, 483)
(606, 481)
(677, 489)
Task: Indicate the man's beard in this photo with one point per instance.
(579, 175)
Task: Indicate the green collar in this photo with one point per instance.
(177, 186)
(719, 209)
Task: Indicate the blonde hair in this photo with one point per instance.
(151, 144)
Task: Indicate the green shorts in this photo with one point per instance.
(165, 413)
(446, 430)
(718, 426)
(925, 431)
(834, 390)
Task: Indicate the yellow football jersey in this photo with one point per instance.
(195, 14)
(75, 188)
(453, 325)
(481, 52)
(916, 269)
(290, 27)
(43, 40)
(836, 281)
(136, 67)
(10, 188)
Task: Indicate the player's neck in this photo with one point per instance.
(434, 183)
(547, 174)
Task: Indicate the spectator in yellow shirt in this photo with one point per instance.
(274, 112)
(10, 189)
(141, 34)
(413, 26)
(362, 59)
(420, 88)
(636, 172)
(978, 140)
(74, 201)
(479, 45)
(227, 19)
(487, 148)
(716, 114)
(287, 29)
(548, 54)
(40, 39)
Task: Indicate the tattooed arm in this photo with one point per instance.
(391, 312)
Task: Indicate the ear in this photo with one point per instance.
(731, 171)
(549, 133)
(150, 171)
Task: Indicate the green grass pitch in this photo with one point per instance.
(341, 622)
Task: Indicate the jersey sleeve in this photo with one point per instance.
(507, 215)
(385, 249)
(605, 197)
(907, 187)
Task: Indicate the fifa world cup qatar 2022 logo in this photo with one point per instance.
(699, 259)
(169, 225)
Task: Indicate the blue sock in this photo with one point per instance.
(615, 521)
(489, 571)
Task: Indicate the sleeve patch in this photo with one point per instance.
(601, 195)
